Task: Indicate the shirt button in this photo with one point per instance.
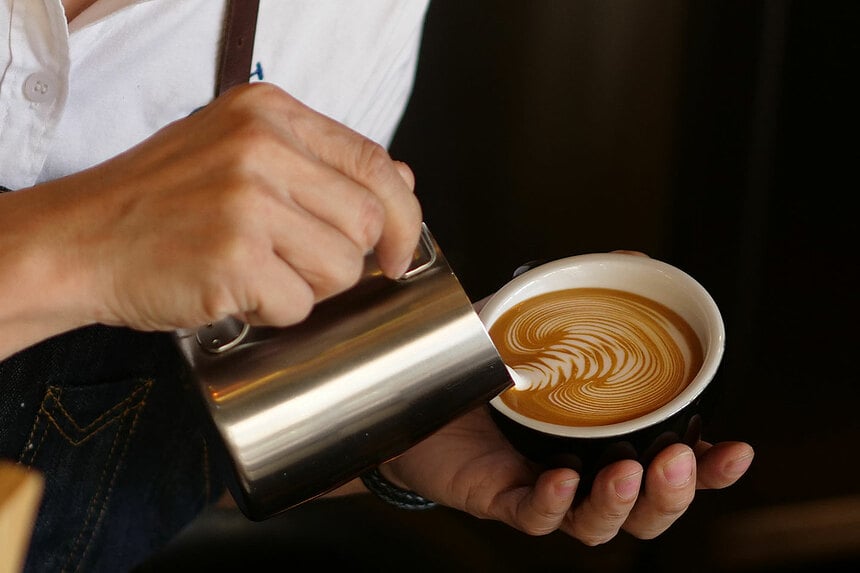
(40, 87)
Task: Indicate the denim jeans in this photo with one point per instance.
(110, 419)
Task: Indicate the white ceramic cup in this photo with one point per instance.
(588, 448)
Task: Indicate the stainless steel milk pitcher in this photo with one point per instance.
(299, 411)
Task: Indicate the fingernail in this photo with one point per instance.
(679, 470)
(566, 488)
(628, 487)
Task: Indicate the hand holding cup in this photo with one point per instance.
(613, 353)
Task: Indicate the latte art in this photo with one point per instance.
(595, 356)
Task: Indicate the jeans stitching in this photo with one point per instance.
(29, 446)
(54, 394)
(103, 498)
(45, 419)
(110, 413)
(89, 516)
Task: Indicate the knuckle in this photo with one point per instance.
(229, 255)
(354, 267)
(251, 95)
(217, 301)
(610, 524)
(674, 506)
(374, 163)
(411, 214)
(349, 271)
(299, 307)
(370, 220)
(338, 273)
(616, 516)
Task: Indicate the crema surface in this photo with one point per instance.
(595, 356)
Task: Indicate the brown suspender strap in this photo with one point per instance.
(238, 47)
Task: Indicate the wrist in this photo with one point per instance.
(388, 474)
(394, 494)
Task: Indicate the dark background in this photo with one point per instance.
(718, 136)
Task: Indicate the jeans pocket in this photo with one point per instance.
(80, 441)
(110, 418)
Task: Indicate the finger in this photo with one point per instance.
(267, 153)
(327, 194)
(328, 261)
(670, 485)
(293, 301)
(396, 246)
(721, 465)
(544, 508)
(407, 174)
(294, 261)
(369, 164)
(601, 515)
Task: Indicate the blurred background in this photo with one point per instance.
(720, 136)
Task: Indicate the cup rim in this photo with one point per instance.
(712, 354)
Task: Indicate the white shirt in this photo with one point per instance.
(74, 95)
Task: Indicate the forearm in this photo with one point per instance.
(39, 279)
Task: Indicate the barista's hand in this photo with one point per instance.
(469, 465)
(255, 206)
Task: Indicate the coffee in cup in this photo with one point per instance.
(612, 354)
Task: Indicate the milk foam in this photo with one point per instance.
(592, 356)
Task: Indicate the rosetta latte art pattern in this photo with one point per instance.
(595, 356)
